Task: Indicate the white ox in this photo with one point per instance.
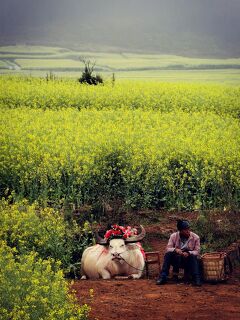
(116, 257)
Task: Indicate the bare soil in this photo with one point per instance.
(143, 299)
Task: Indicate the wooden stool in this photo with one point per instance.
(152, 258)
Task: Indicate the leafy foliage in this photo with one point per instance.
(31, 288)
(28, 228)
(148, 159)
(164, 97)
(217, 230)
(87, 76)
(144, 144)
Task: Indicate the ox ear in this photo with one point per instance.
(99, 239)
(137, 237)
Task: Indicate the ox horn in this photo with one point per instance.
(137, 237)
(99, 239)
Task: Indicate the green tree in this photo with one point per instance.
(88, 75)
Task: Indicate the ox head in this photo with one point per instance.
(117, 244)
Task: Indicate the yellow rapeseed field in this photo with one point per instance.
(149, 144)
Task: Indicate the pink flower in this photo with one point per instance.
(117, 230)
(108, 234)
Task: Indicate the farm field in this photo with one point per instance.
(152, 145)
(143, 148)
(38, 61)
(119, 160)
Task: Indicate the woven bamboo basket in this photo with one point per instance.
(213, 266)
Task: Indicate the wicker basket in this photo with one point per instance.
(213, 266)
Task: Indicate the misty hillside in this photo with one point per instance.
(184, 27)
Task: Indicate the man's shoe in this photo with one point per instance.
(161, 281)
(197, 282)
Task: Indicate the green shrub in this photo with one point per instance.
(29, 228)
(87, 76)
(31, 289)
(217, 230)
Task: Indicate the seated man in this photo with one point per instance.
(182, 251)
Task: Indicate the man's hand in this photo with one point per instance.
(178, 251)
(182, 253)
(185, 254)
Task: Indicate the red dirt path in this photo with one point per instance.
(143, 299)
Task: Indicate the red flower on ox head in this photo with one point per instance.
(117, 231)
(108, 234)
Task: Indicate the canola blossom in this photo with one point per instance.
(146, 158)
(32, 288)
(28, 228)
(143, 144)
(165, 97)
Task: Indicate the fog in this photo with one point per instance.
(194, 27)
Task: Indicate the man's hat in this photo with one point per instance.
(182, 224)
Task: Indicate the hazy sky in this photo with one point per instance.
(110, 21)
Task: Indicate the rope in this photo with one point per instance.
(130, 264)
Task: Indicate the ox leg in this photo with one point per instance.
(105, 274)
(135, 276)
